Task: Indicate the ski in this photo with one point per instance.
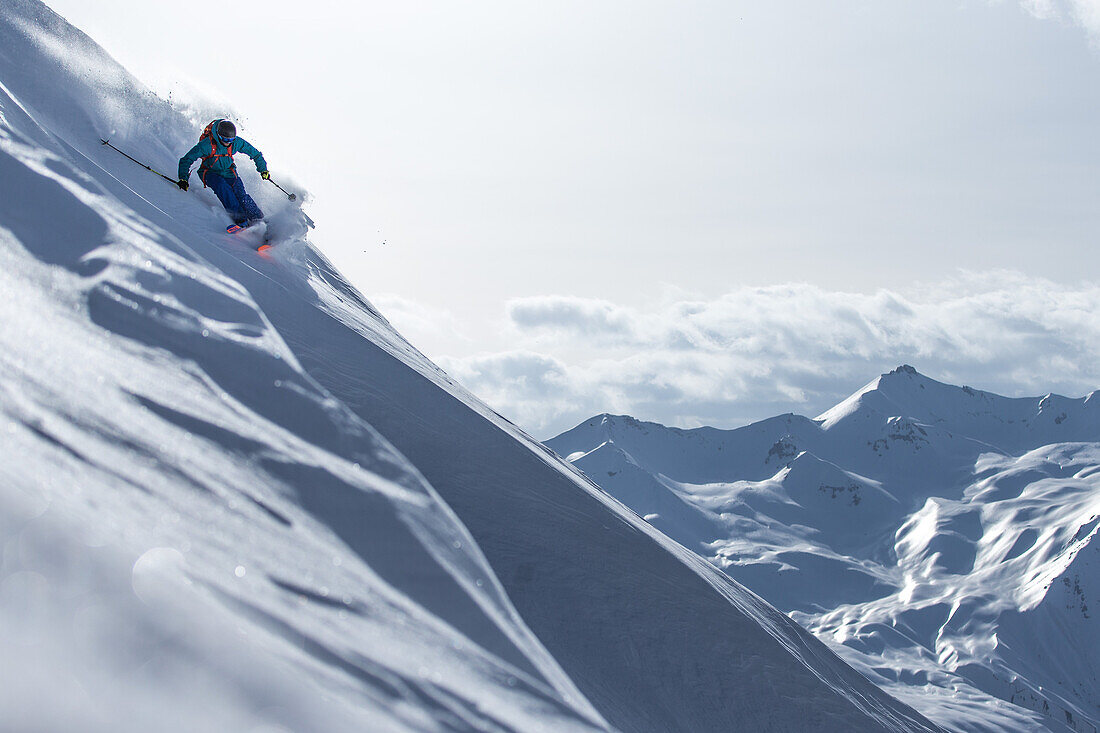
(265, 243)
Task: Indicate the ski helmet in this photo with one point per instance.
(227, 130)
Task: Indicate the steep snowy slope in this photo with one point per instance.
(149, 407)
(942, 538)
(233, 497)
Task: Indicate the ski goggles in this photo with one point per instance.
(226, 140)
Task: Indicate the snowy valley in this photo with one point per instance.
(942, 539)
(234, 498)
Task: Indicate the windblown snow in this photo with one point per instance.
(941, 539)
(233, 498)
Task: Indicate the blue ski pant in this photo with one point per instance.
(233, 197)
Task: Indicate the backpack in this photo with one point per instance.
(208, 134)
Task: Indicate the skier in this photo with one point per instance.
(217, 171)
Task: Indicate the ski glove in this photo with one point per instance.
(182, 184)
(265, 175)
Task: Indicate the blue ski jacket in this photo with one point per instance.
(218, 158)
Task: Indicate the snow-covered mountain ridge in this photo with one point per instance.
(233, 498)
(939, 537)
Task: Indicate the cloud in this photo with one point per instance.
(1085, 13)
(416, 321)
(756, 352)
(594, 317)
(536, 390)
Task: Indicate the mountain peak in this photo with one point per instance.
(907, 377)
(904, 369)
(908, 393)
(1007, 422)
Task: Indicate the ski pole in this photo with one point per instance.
(288, 195)
(108, 144)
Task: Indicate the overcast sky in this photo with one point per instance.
(694, 212)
